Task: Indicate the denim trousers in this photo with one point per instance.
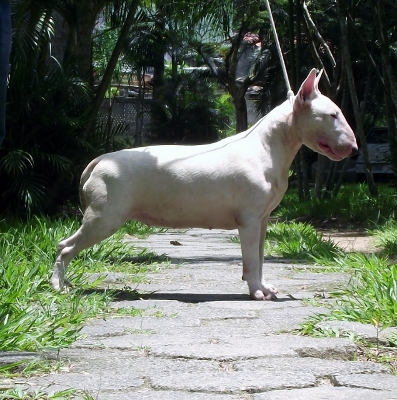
(5, 48)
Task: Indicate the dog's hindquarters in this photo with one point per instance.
(99, 222)
(83, 179)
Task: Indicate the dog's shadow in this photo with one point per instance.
(194, 298)
(128, 294)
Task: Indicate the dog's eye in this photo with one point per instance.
(334, 115)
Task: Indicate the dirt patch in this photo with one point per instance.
(353, 241)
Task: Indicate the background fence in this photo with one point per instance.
(132, 112)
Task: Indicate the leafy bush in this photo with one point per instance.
(190, 111)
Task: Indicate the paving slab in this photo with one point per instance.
(199, 336)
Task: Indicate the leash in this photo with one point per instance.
(290, 93)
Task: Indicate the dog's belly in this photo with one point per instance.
(187, 218)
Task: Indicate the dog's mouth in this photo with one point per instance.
(326, 150)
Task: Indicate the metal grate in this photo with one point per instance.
(133, 113)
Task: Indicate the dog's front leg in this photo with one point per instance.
(251, 239)
(270, 289)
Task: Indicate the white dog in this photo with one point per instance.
(234, 183)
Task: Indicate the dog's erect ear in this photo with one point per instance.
(308, 91)
(318, 77)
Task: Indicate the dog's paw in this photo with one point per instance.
(62, 287)
(266, 292)
(270, 291)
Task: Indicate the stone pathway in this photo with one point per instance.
(200, 336)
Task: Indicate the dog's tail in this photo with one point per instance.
(84, 177)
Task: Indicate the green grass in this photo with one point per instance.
(353, 206)
(136, 228)
(370, 297)
(386, 238)
(299, 242)
(32, 315)
(19, 394)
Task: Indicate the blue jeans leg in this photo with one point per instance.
(5, 48)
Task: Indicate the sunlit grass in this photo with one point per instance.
(386, 238)
(353, 206)
(299, 242)
(20, 394)
(32, 315)
(370, 297)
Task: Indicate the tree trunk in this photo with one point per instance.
(318, 184)
(87, 21)
(302, 151)
(342, 16)
(240, 106)
(107, 76)
(379, 14)
(158, 68)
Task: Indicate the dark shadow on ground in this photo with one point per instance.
(120, 295)
(152, 257)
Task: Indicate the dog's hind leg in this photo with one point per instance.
(96, 227)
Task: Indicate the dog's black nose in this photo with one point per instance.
(354, 151)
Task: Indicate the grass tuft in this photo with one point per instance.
(352, 206)
(371, 295)
(386, 238)
(298, 241)
(20, 394)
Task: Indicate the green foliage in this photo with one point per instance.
(386, 238)
(139, 229)
(42, 140)
(102, 47)
(189, 111)
(44, 153)
(20, 394)
(353, 205)
(371, 295)
(45, 148)
(32, 315)
(298, 241)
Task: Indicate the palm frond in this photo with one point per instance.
(16, 162)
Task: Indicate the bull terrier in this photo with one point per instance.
(234, 183)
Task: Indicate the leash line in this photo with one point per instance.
(290, 93)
